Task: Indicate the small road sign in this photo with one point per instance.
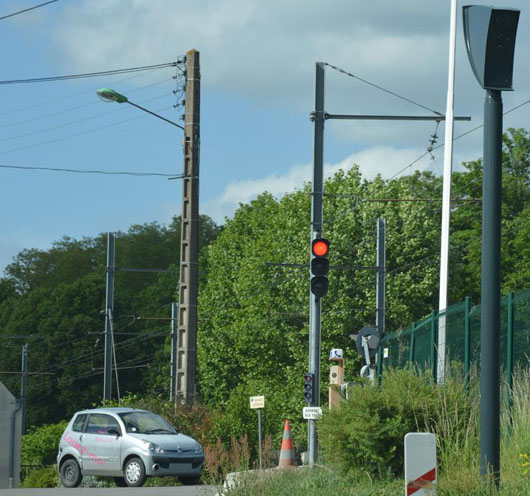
(257, 402)
(420, 463)
(312, 412)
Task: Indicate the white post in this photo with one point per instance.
(446, 201)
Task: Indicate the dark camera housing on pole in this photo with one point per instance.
(490, 41)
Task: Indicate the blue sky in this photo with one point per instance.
(257, 64)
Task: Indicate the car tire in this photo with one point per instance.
(120, 481)
(134, 472)
(71, 473)
(189, 481)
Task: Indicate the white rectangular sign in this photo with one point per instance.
(420, 463)
(257, 402)
(312, 412)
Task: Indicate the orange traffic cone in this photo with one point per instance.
(287, 452)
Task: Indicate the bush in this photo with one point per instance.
(368, 431)
(42, 477)
(40, 445)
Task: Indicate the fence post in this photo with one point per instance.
(411, 346)
(467, 337)
(380, 361)
(509, 350)
(434, 364)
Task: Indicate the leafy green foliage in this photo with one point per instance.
(42, 477)
(40, 445)
(367, 432)
(57, 296)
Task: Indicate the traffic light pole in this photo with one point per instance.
(316, 231)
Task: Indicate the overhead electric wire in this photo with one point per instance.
(77, 107)
(87, 171)
(454, 139)
(27, 10)
(140, 116)
(89, 74)
(72, 95)
(338, 69)
(77, 121)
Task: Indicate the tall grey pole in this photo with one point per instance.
(173, 384)
(189, 241)
(24, 384)
(109, 311)
(316, 231)
(380, 277)
(490, 305)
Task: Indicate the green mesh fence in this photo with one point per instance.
(417, 344)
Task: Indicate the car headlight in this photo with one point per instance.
(154, 448)
(198, 448)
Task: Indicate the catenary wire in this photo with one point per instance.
(28, 9)
(456, 138)
(338, 69)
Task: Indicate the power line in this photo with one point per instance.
(140, 116)
(27, 10)
(77, 121)
(77, 107)
(74, 95)
(87, 171)
(338, 69)
(91, 74)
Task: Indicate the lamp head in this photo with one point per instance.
(109, 95)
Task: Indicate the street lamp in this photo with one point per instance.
(109, 95)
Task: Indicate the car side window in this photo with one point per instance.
(79, 422)
(99, 423)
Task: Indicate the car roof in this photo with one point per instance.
(113, 409)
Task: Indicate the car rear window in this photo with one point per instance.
(79, 422)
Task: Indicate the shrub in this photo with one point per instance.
(40, 445)
(42, 477)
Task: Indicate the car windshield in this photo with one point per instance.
(146, 423)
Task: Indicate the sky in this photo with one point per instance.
(257, 92)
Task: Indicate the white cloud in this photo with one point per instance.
(386, 161)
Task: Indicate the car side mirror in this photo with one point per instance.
(113, 431)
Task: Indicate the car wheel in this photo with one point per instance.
(71, 473)
(134, 472)
(189, 481)
(120, 481)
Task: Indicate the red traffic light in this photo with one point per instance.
(320, 247)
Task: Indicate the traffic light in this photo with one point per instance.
(309, 383)
(319, 266)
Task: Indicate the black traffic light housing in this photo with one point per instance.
(319, 266)
(490, 41)
(309, 385)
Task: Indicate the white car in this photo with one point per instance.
(128, 445)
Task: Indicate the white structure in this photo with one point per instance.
(10, 438)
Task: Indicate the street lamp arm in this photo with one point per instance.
(156, 115)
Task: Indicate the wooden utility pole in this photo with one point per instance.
(189, 245)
